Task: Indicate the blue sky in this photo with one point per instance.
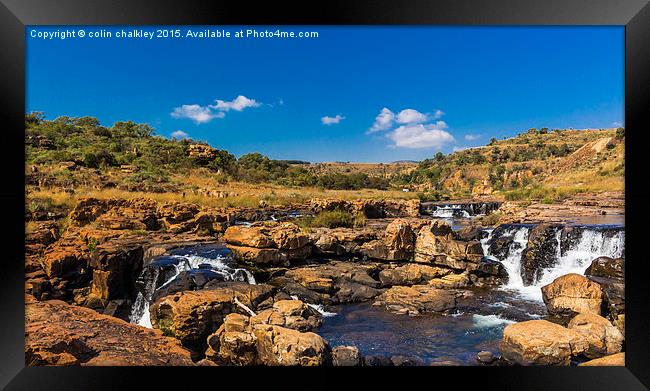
(375, 94)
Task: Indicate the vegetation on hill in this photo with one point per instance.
(72, 153)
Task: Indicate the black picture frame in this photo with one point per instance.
(16, 14)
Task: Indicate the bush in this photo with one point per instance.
(331, 219)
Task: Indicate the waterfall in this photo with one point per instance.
(459, 210)
(180, 263)
(573, 255)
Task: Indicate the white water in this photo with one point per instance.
(489, 321)
(140, 312)
(591, 245)
(317, 307)
(448, 211)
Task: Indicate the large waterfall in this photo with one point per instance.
(573, 253)
(162, 271)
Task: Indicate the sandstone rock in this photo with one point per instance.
(191, 316)
(416, 299)
(268, 242)
(346, 356)
(603, 338)
(57, 333)
(572, 293)
(292, 314)
(450, 281)
(435, 244)
(607, 267)
(370, 208)
(411, 274)
(403, 361)
(609, 274)
(282, 346)
(341, 241)
(342, 281)
(116, 266)
(540, 342)
(485, 357)
(613, 360)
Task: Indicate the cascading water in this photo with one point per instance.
(162, 271)
(573, 255)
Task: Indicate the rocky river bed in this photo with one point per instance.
(418, 285)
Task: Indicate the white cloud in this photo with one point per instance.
(421, 136)
(458, 149)
(472, 137)
(179, 135)
(332, 120)
(196, 113)
(383, 121)
(410, 116)
(238, 104)
(438, 114)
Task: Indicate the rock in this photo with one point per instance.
(57, 333)
(343, 282)
(377, 361)
(572, 293)
(397, 243)
(488, 273)
(411, 274)
(485, 357)
(435, 245)
(451, 281)
(268, 242)
(371, 209)
(292, 314)
(416, 299)
(540, 342)
(191, 316)
(281, 346)
(609, 274)
(293, 288)
(116, 265)
(403, 361)
(540, 252)
(342, 241)
(607, 267)
(617, 359)
(346, 356)
(603, 338)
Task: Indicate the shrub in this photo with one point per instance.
(330, 219)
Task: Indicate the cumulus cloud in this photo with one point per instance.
(410, 116)
(383, 121)
(438, 114)
(326, 120)
(179, 134)
(198, 114)
(238, 104)
(421, 136)
(472, 137)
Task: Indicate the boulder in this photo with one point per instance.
(572, 293)
(614, 360)
(341, 241)
(371, 209)
(193, 315)
(411, 274)
(609, 273)
(540, 342)
(606, 267)
(398, 243)
(603, 338)
(435, 244)
(282, 346)
(416, 299)
(346, 356)
(451, 281)
(57, 333)
(268, 242)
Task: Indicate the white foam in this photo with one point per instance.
(490, 321)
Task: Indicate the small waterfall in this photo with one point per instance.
(163, 270)
(460, 210)
(575, 248)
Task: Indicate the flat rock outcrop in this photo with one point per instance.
(411, 274)
(57, 333)
(416, 299)
(372, 209)
(572, 293)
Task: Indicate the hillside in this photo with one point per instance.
(67, 157)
